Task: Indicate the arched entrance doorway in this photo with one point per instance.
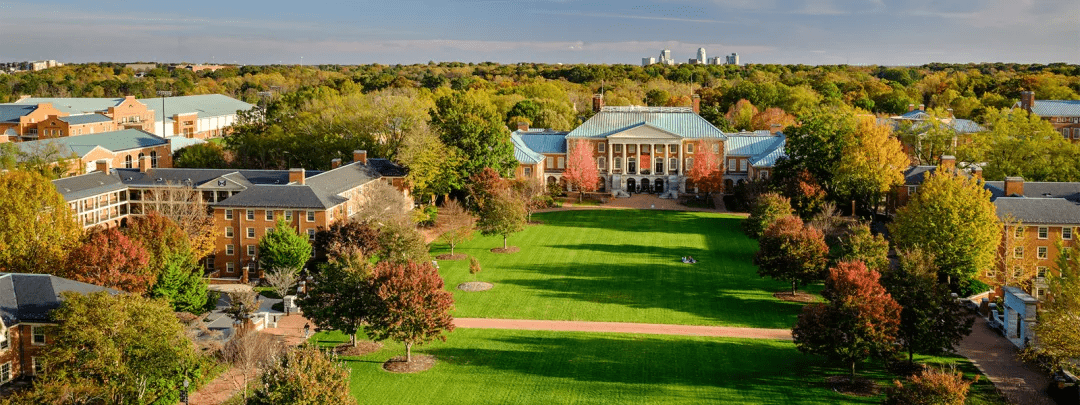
(659, 185)
(601, 185)
(645, 186)
(728, 185)
(551, 180)
(631, 186)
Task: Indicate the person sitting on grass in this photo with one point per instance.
(691, 259)
(684, 260)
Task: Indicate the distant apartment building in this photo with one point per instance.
(1063, 114)
(666, 59)
(199, 116)
(245, 204)
(124, 148)
(732, 59)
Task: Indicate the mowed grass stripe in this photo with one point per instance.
(622, 266)
(540, 367)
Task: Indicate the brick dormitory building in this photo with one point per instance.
(245, 203)
(25, 303)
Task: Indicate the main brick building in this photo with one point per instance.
(245, 203)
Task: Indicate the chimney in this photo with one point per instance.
(296, 176)
(102, 165)
(144, 164)
(359, 156)
(922, 107)
(976, 172)
(695, 100)
(335, 163)
(910, 107)
(1027, 100)
(1014, 186)
(948, 162)
(597, 102)
(523, 126)
(950, 112)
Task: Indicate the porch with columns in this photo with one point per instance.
(623, 174)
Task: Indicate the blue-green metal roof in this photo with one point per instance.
(1056, 108)
(523, 153)
(681, 121)
(85, 119)
(544, 140)
(12, 112)
(771, 154)
(113, 141)
(749, 143)
(205, 105)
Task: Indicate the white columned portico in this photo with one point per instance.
(682, 162)
(637, 158)
(610, 155)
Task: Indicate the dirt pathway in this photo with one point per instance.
(996, 358)
(622, 327)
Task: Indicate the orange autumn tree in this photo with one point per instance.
(109, 259)
(581, 170)
(707, 171)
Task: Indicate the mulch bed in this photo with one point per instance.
(420, 362)
(511, 249)
(363, 347)
(474, 286)
(536, 222)
(799, 296)
(455, 256)
(859, 387)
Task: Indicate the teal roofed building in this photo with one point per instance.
(647, 149)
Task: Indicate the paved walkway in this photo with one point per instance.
(997, 358)
(623, 327)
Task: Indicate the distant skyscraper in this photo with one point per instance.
(733, 59)
(647, 61)
(701, 56)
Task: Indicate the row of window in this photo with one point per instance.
(230, 249)
(37, 337)
(269, 216)
(1075, 133)
(128, 163)
(1044, 232)
(1017, 272)
(618, 148)
(1042, 252)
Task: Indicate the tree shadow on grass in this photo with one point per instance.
(743, 368)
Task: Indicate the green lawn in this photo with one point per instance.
(622, 266)
(479, 366)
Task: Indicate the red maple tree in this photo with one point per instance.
(707, 171)
(791, 252)
(861, 319)
(581, 171)
(110, 259)
(412, 306)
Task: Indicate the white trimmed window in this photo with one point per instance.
(1044, 232)
(311, 216)
(601, 163)
(526, 170)
(1018, 232)
(716, 148)
(1018, 252)
(311, 234)
(991, 273)
(732, 164)
(251, 232)
(250, 215)
(1017, 271)
(251, 250)
(673, 164)
(689, 163)
(288, 215)
(618, 148)
(5, 372)
(37, 335)
(601, 147)
(689, 148)
(269, 215)
(37, 366)
(230, 250)
(228, 214)
(6, 342)
(228, 232)
(550, 162)
(1040, 271)
(562, 162)
(618, 163)
(1066, 233)
(1043, 252)
(230, 267)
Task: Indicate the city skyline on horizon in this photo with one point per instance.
(812, 32)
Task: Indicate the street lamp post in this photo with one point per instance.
(163, 94)
(184, 391)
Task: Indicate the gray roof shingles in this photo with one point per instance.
(1056, 108)
(12, 112)
(85, 119)
(30, 297)
(1038, 210)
